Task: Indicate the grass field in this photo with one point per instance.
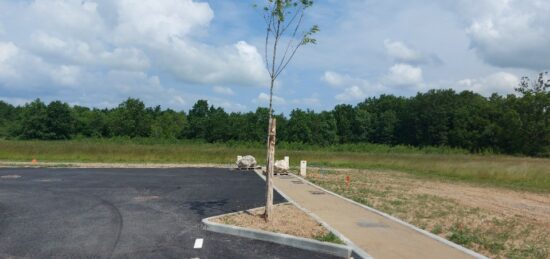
(520, 173)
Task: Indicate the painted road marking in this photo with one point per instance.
(198, 243)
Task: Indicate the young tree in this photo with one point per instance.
(283, 19)
(534, 111)
(59, 120)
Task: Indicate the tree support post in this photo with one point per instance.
(269, 169)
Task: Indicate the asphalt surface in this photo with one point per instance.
(128, 213)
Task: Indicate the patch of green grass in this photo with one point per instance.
(463, 235)
(520, 173)
(329, 237)
(532, 251)
(437, 229)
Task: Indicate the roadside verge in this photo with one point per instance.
(278, 238)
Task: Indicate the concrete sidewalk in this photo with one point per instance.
(377, 234)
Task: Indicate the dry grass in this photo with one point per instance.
(287, 220)
(499, 223)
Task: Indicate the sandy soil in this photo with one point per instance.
(287, 220)
(535, 206)
(531, 205)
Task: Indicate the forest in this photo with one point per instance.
(512, 124)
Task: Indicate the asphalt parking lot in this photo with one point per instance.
(128, 213)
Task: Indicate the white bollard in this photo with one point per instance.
(287, 161)
(303, 168)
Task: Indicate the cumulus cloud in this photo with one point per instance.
(404, 75)
(500, 82)
(198, 63)
(401, 52)
(8, 51)
(124, 46)
(223, 90)
(352, 88)
(509, 33)
(336, 79)
(353, 93)
(154, 21)
(263, 98)
(66, 75)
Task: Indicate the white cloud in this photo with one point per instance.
(223, 90)
(79, 19)
(66, 75)
(198, 63)
(8, 51)
(400, 52)
(263, 98)
(168, 28)
(338, 80)
(500, 82)
(509, 33)
(154, 21)
(354, 88)
(100, 52)
(404, 75)
(353, 93)
(83, 53)
(335, 79)
(73, 42)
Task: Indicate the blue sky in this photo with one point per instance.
(174, 52)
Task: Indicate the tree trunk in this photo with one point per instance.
(269, 169)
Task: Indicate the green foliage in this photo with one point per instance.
(463, 235)
(59, 120)
(329, 237)
(131, 119)
(33, 124)
(449, 121)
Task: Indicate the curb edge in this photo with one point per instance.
(282, 239)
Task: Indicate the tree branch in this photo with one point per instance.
(291, 41)
(288, 61)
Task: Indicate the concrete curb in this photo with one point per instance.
(283, 239)
(432, 236)
(356, 249)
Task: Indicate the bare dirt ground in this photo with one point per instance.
(534, 206)
(288, 220)
(499, 223)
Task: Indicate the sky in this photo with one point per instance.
(172, 53)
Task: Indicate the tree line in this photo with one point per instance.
(512, 124)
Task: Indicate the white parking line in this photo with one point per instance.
(198, 243)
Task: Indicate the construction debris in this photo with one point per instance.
(281, 167)
(246, 162)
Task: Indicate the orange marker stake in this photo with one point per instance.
(347, 182)
(34, 161)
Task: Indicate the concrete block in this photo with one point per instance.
(303, 168)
